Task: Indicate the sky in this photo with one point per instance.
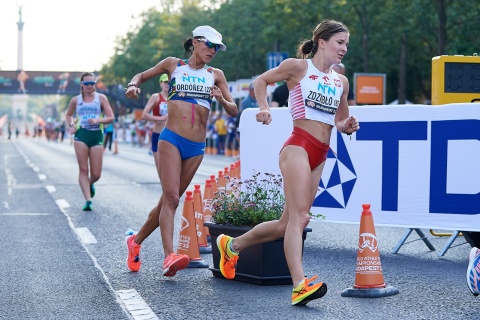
(66, 35)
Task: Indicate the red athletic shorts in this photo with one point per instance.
(316, 150)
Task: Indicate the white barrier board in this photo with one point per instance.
(418, 166)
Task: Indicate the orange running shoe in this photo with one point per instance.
(133, 259)
(307, 291)
(228, 258)
(173, 263)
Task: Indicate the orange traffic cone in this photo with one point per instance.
(198, 209)
(213, 181)
(207, 203)
(369, 281)
(188, 240)
(222, 182)
(233, 171)
(237, 164)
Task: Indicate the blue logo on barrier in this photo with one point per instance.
(338, 178)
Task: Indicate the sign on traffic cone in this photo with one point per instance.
(207, 205)
(369, 281)
(188, 240)
(198, 209)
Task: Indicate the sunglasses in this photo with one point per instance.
(88, 83)
(210, 44)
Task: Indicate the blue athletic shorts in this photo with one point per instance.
(155, 136)
(188, 149)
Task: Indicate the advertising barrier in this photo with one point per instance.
(42, 82)
(417, 165)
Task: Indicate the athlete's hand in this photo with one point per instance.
(216, 93)
(132, 92)
(264, 116)
(351, 125)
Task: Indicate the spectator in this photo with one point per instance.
(249, 101)
(280, 96)
(108, 137)
(340, 68)
(221, 129)
(232, 141)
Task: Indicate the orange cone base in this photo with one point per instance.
(370, 293)
(197, 263)
(205, 249)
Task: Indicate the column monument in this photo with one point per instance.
(20, 101)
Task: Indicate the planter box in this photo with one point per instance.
(262, 264)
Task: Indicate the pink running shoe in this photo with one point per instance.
(133, 259)
(173, 263)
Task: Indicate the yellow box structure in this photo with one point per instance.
(455, 79)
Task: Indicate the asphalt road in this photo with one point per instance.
(58, 262)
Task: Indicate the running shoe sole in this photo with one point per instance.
(177, 265)
(320, 292)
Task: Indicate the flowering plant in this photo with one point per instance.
(250, 202)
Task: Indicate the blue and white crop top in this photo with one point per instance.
(193, 86)
(316, 96)
(88, 110)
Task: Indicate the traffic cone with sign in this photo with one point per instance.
(199, 219)
(369, 282)
(207, 205)
(188, 240)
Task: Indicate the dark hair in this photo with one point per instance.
(188, 46)
(324, 30)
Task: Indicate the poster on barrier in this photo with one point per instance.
(416, 165)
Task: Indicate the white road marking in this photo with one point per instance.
(85, 235)
(42, 176)
(50, 188)
(134, 303)
(25, 214)
(62, 203)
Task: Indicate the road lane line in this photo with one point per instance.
(85, 235)
(25, 214)
(62, 204)
(134, 303)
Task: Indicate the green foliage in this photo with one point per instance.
(252, 28)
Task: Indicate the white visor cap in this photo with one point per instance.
(210, 34)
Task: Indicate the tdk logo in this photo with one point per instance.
(338, 178)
